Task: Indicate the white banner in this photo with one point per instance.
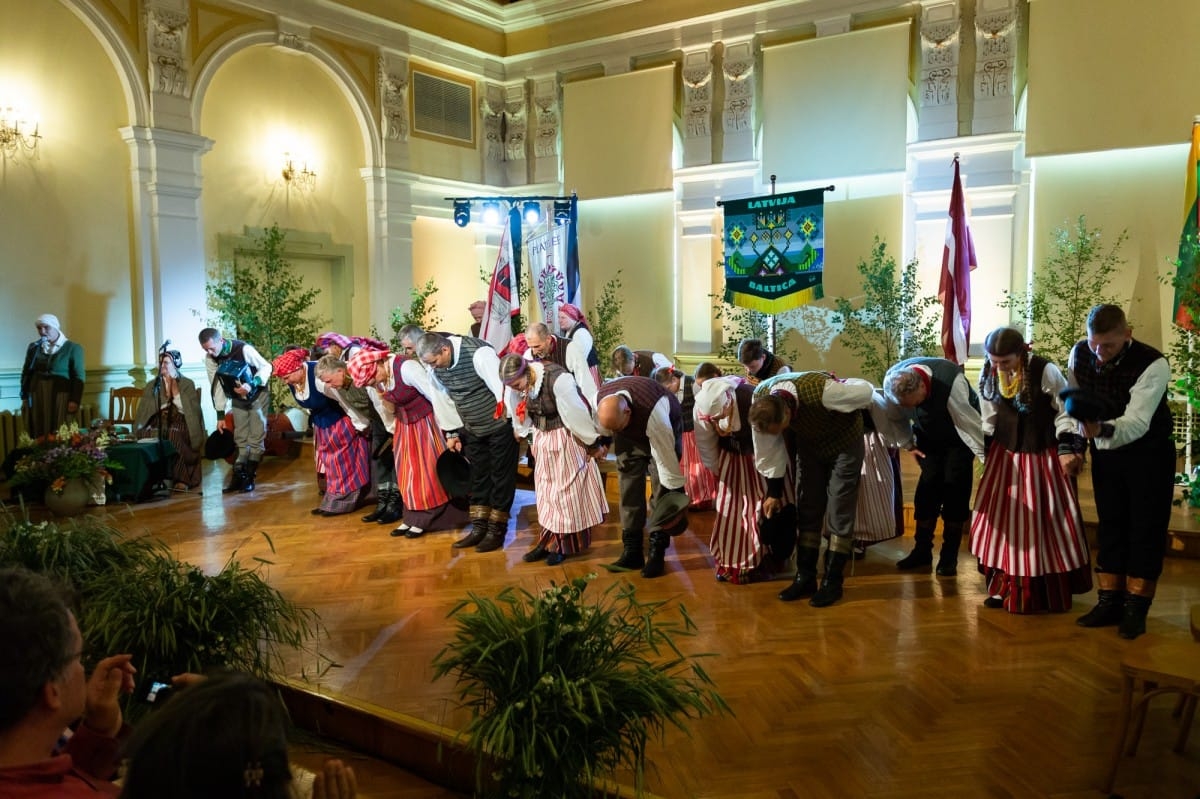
(547, 255)
(496, 326)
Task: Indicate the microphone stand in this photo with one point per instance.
(162, 427)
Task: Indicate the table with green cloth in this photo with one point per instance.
(144, 464)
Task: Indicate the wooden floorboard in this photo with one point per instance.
(908, 687)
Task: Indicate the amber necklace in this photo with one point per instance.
(1010, 386)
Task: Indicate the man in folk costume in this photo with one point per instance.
(411, 404)
(575, 328)
(332, 369)
(549, 348)
(1133, 464)
(51, 379)
(544, 401)
(933, 412)
(239, 375)
(823, 415)
(646, 424)
(759, 362)
(637, 363)
(469, 369)
(341, 449)
(701, 484)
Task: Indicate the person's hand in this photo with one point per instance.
(599, 453)
(222, 425)
(335, 781)
(771, 506)
(72, 407)
(1072, 464)
(1090, 429)
(917, 453)
(186, 680)
(454, 443)
(112, 677)
(242, 390)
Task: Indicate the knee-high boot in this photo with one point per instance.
(922, 551)
(1110, 602)
(251, 471)
(497, 529)
(805, 582)
(631, 551)
(660, 542)
(237, 478)
(1139, 594)
(393, 508)
(952, 533)
(479, 527)
(831, 587)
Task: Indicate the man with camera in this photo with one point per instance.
(238, 375)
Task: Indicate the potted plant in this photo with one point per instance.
(564, 692)
(67, 467)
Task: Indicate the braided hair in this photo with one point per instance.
(1001, 342)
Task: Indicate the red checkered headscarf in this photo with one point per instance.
(289, 362)
(362, 365)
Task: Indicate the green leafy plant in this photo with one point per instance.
(607, 329)
(564, 692)
(1075, 276)
(52, 459)
(1183, 353)
(421, 311)
(264, 302)
(893, 320)
(739, 323)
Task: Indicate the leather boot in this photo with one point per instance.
(631, 551)
(952, 533)
(380, 505)
(497, 529)
(660, 542)
(831, 587)
(393, 508)
(251, 471)
(479, 527)
(1139, 596)
(805, 582)
(237, 479)
(922, 551)
(1110, 602)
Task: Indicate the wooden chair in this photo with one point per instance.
(1162, 666)
(123, 404)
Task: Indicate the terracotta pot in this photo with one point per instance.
(72, 500)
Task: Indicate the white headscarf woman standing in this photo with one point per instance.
(51, 379)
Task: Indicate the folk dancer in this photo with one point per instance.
(574, 327)
(570, 355)
(238, 376)
(701, 485)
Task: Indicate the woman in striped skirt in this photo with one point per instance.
(341, 454)
(725, 446)
(404, 395)
(170, 406)
(701, 485)
(879, 513)
(1027, 531)
(543, 398)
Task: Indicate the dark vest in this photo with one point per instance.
(741, 442)
(645, 394)
(934, 428)
(771, 367)
(475, 402)
(232, 369)
(323, 411)
(411, 405)
(558, 352)
(817, 429)
(1033, 429)
(1115, 382)
(593, 360)
(543, 409)
(688, 404)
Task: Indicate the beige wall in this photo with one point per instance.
(452, 257)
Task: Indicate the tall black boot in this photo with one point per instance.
(251, 471)
(1110, 602)
(479, 527)
(381, 499)
(631, 551)
(393, 508)
(922, 551)
(660, 542)
(497, 529)
(831, 587)
(1137, 604)
(952, 533)
(237, 479)
(805, 582)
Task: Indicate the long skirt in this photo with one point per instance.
(185, 468)
(1027, 532)
(734, 543)
(570, 493)
(426, 504)
(879, 513)
(343, 456)
(699, 483)
(47, 409)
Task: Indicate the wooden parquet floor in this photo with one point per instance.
(908, 687)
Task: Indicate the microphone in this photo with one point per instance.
(166, 344)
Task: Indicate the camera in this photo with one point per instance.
(156, 690)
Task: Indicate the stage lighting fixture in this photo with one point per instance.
(562, 211)
(491, 213)
(532, 209)
(462, 212)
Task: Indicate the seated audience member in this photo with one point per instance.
(225, 736)
(45, 692)
(760, 362)
(636, 363)
(170, 409)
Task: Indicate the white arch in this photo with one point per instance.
(130, 76)
(372, 144)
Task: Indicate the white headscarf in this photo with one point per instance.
(713, 397)
(52, 321)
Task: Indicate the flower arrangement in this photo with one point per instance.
(53, 459)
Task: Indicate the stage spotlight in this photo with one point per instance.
(462, 212)
(532, 210)
(491, 213)
(562, 211)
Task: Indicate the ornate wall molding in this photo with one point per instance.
(166, 40)
(516, 123)
(697, 94)
(996, 50)
(393, 97)
(491, 122)
(738, 71)
(548, 121)
(939, 60)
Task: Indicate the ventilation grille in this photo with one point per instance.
(443, 108)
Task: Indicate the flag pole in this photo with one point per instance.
(771, 317)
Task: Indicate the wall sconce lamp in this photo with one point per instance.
(303, 178)
(15, 137)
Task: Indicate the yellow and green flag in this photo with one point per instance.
(1187, 285)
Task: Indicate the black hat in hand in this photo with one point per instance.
(1086, 405)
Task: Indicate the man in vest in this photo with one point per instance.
(469, 369)
(934, 414)
(238, 376)
(824, 417)
(547, 347)
(641, 363)
(646, 424)
(1133, 464)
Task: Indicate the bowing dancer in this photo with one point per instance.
(701, 484)
(1027, 531)
(574, 327)
(405, 397)
(725, 445)
(341, 452)
(543, 399)
(759, 362)
(628, 362)
(570, 355)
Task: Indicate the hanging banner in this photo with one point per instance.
(547, 254)
(775, 250)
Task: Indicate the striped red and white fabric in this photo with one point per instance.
(700, 484)
(417, 447)
(1026, 520)
(954, 289)
(875, 513)
(740, 490)
(570, 494)
(344, 457)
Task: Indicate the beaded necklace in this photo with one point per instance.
(1010, 387)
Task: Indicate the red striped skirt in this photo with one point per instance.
(570, 493)
(740, 490)
(1026, 521)
(700, 484)
(417, 447)
(344, 457)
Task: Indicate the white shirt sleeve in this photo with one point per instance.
(444, 409)
(487, 366)
(575, 414)
(707, 441)
(967, 420)
(577, 365)
(845, 396)
(770, 454)
(662, 444)
(522, 427)
(1144, 397)
(1053, 382)
(387, 411)
(659, 360)
(219, 400)
(261, 365)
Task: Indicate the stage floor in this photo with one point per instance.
(907, 687)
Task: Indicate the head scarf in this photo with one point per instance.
(289, 362)
(571, 311)
(518, 345)
(713, 397)
(362, 365)
(325, 339)
(49, 319)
